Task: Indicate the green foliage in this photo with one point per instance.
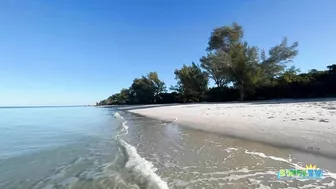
(279, 56)
(242, 64)
(146, 89)
(289, 76)
(239, 70)
(192, 82)
(332, 68)
(214, 65)
(225, 37)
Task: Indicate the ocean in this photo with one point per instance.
(102, 148)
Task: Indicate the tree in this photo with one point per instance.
(332, 68)
(214, 66)
(290, 75)
(158, 85)
(144, 90)
(242, 67)
(245, 65)
(192, 82)
(225, 37)
(124, 96)
(102, 103)
(278, 57)
(111, 99)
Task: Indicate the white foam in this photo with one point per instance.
(229, 172)
(117, 115)
(238, 177)
(311, 186)
(289, 161)
(331, 175)
(124, 127)
(271, 157)
(324, 185)
(231, 176)
(230, 149)
(331, 184)
(143, 169)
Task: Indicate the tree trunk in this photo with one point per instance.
(241, 92)
(217, 83)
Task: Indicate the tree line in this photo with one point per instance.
(239, 70)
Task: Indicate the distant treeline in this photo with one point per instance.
(240, 72)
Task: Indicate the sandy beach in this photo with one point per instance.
(305, 125)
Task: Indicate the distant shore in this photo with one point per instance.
(307, 125)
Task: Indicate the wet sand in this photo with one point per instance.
(188, 158)
(308, 126)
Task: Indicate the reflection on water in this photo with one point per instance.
(78, 148)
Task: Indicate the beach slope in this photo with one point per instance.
(308, 125)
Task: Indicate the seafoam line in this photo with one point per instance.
(289, 161)
(139, 166)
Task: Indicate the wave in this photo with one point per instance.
(117, 115)
(141, 170)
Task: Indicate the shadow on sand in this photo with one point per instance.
(283, 101)
(274, 101)
(135, 107)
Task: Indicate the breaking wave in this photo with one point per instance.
(141, 170)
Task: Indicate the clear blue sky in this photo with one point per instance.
(78, 51)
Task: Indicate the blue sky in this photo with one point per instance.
(78, 51)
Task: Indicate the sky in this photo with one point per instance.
(73, 52)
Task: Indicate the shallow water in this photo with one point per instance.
(87, 147)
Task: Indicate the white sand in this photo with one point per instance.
(308, 126)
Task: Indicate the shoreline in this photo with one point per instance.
(307, 125)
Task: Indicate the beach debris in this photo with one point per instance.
(312, 148)
(324, 120)
(330, 108)
(165, 122)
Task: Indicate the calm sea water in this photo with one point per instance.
(28, 130)
(89, 147)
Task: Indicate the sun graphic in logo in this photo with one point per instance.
(310, 166)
